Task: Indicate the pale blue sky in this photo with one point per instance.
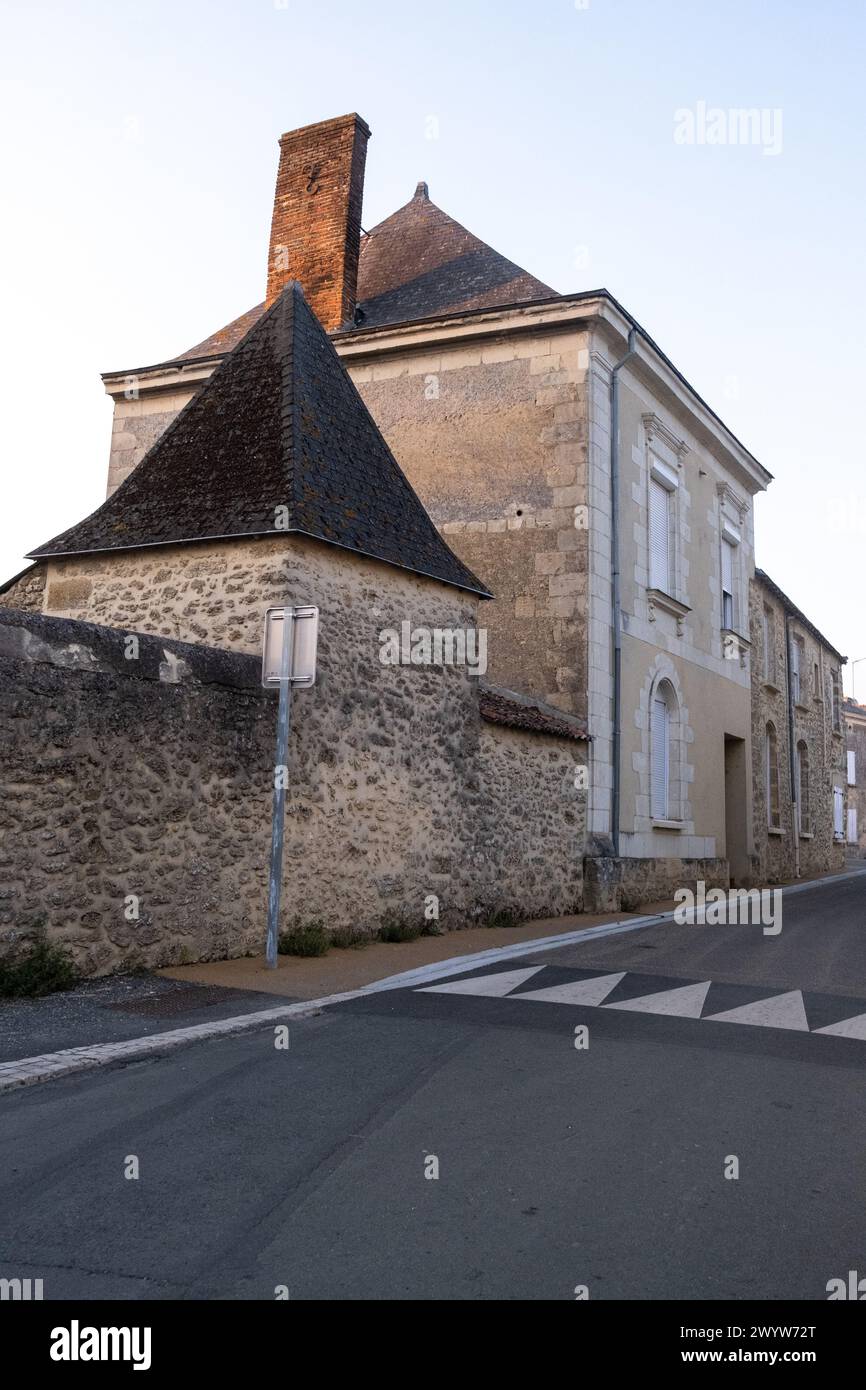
(138, 159)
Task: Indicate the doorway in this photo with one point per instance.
(736, 811)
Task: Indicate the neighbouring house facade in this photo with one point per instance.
(798, 740)
(854, 715)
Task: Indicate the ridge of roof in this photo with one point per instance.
(278, 440)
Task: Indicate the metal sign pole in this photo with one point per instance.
(284, 718)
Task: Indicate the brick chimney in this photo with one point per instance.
(316, 226)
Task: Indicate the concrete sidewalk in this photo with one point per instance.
(298, 977)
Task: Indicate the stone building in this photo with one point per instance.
(854, 715)
(566, 460)
(798, 740)
(619, 559)
(137, 749)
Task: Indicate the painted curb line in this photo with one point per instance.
(27, 1071)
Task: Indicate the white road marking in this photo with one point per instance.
(684, 1002)
(780, 1011)
(578, 991)
(491, 986)
(848, 1028)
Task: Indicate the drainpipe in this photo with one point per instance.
(792, 749)
(614, 584)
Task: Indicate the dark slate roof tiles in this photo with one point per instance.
(279, 424)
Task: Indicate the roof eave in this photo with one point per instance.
(40, 555)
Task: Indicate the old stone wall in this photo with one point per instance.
(624, 885)
(25, 590)
(493, 437)
(777, 846)
(397, 788)
(130, 779)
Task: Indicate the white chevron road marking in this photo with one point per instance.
(848, 1028)
(683, 1002)
(577, 991)
(492, 986)
(785, 1010)
(778, 1011)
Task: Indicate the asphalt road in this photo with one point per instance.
(558, 1166)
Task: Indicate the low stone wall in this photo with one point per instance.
(623, 885)
(137, 776)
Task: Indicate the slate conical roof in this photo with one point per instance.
(279, 425)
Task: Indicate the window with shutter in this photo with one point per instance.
(774, 818)
(660, 537)
(838, 811)
(660, 753)
(769, 646)
(796, 667)
(852, 825)
(803, 788)
(852, 768)
(727, 584)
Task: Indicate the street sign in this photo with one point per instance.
(304, 624)
(288, 659)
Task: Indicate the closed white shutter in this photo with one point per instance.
(659, 537)
(727, 584)
(852, 768)
(660, 757)
(838, 810)
(852, 825)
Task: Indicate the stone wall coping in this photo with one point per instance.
(80, 646)
(500, 706)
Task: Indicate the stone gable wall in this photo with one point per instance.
(26, 591)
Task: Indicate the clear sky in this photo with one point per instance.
(139, 151)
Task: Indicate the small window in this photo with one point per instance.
(802, 767)
(837, 715)
(774, 817)
(816, 682)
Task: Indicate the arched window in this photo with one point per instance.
(774, 816)
(803, 789)
(663, 799)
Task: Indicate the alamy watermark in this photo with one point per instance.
(729, 907)
(434, 646)
(738, 125)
